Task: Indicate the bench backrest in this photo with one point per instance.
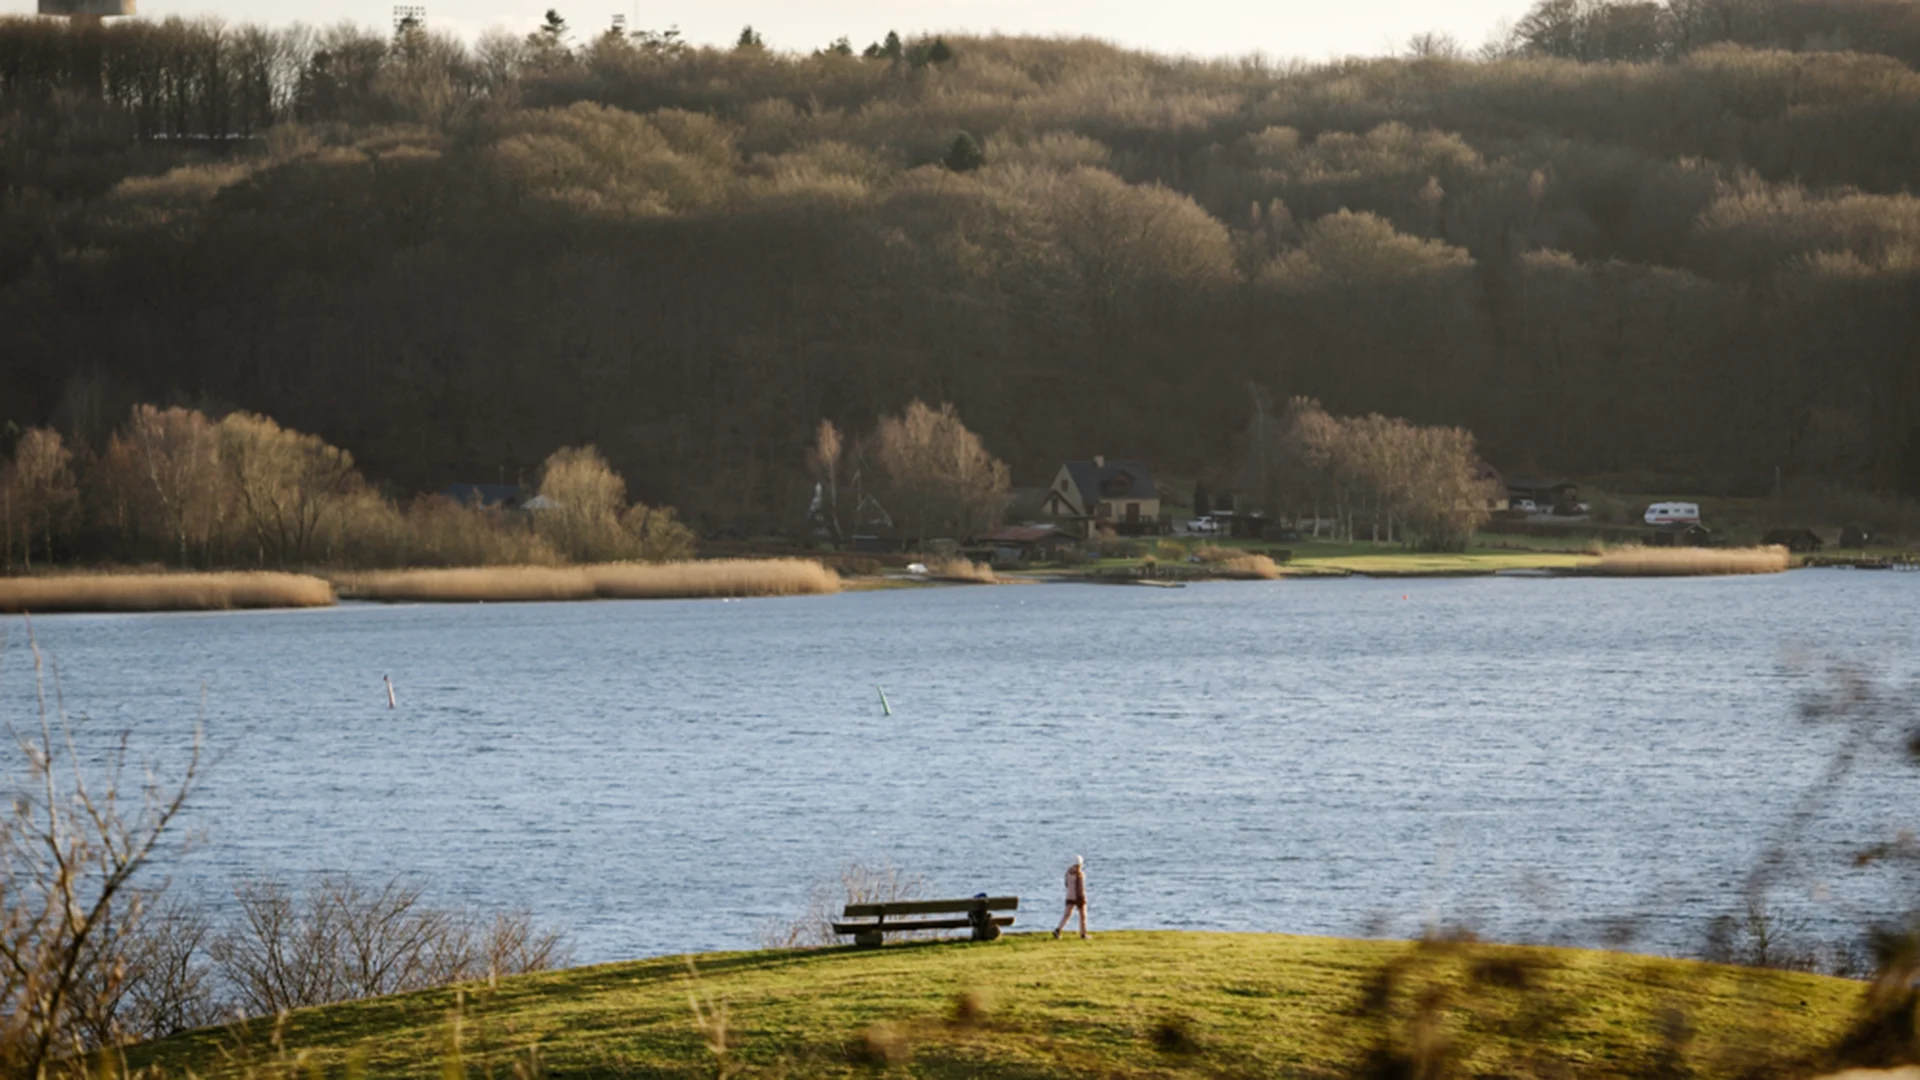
(930, 907)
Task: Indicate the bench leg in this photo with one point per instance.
(870, 939)
(986, 932)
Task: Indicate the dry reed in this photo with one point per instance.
(1247, 568)
(1229, 562)
(162, 592)
(610, 581)
(962, 570)
(1682, 562)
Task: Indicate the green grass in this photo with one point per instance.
(1128, 1004)
(1324, 557)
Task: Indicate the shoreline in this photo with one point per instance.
(159, 592)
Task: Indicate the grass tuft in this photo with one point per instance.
(972, 1007)
(611, 581)
(1234, 563)
(1685, 562)
(162, 592)
(962, 570)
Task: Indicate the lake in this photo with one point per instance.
(1538, 759)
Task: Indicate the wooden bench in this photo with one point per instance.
(973, 913)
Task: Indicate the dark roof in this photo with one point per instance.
(1088, 477)
(1540, 485)
(1020, 534)
(482, 494)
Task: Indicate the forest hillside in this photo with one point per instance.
(1670, 240)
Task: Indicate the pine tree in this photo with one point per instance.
(939, 52)
(749, 39)
(964, 155)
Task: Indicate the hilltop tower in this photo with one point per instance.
(87, 11)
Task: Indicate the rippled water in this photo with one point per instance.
(1532, 757)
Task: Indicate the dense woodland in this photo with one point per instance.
(1669, 240)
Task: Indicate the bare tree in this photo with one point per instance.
(170, 461)
(75, 835)
(939, 476)
(340, 939)
(42, 493)
(824, 462)
(288, 483)
(856, 883)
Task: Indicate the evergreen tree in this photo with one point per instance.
(749, 39)
(893, 50)
(1202, 500)
(964, 155)
(939, 52)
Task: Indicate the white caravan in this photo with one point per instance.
(1673, 513)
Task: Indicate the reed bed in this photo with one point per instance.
(162, 592)
(609, 581)
(962, 570)
(1229, 562)
(1246, 568)
(1686, 562)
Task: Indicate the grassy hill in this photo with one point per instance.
(1122, 1005)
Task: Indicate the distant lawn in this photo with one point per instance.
(1310, 557)
(1123, 1005)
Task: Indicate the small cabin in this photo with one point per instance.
(1681, 534)
(1798, 541)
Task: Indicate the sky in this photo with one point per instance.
(1280, 29)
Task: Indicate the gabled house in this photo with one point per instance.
(1097, 494)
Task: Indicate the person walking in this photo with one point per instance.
(1076, 897)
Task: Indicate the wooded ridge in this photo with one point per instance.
(1670, 239)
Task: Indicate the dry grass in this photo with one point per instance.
(162, 592)
(612, 581)
(1247, 567)
(1683, 562)
(962, 570)
(1233, 563)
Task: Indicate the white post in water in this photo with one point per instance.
(388, 679)
(883, 699)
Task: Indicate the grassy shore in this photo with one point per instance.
(1122, 1005)
(161, 592)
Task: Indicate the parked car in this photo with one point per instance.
(1673, 513)
(1525, 506)
(1202, 525)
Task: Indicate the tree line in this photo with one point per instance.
(1421, 486)
(450, 258)
(176, 486)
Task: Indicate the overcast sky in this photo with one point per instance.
(1312, 29)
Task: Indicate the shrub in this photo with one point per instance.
(961, 570)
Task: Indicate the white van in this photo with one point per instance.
(1673, 513)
